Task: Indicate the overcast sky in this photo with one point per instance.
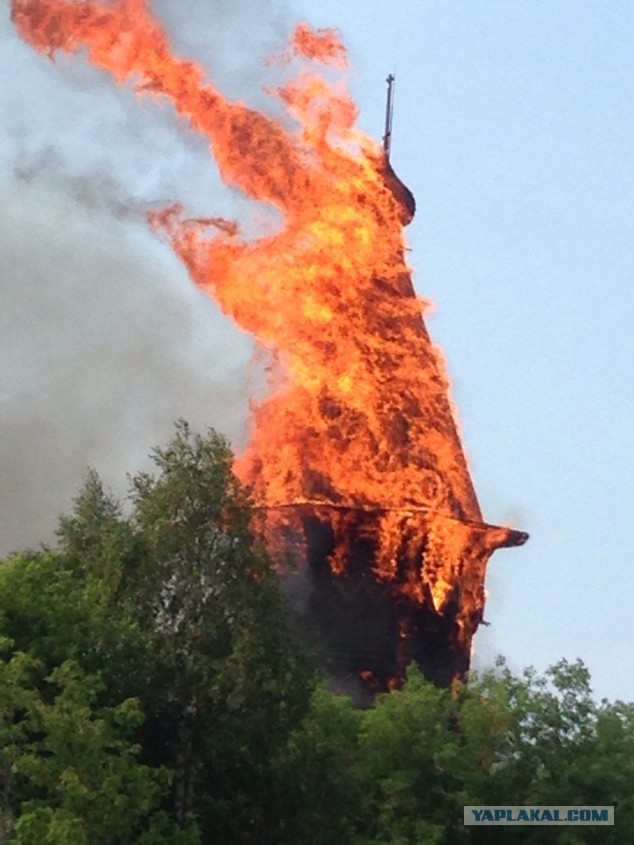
(514, 128)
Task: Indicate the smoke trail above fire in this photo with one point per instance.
(357, 441)
(104, 342)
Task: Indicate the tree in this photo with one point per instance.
(406, 745)
(400, 772)
(69, 765)
(323, 795)
(557, 746)
(223, 682)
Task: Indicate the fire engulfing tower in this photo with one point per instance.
(392, 564)
(354, 457)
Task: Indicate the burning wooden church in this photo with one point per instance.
(354, 455)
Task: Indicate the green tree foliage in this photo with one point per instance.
(400, 772)
(69, 764)
(424, 753)
(172, 614)
(227, 681)
(554, 744)
(407, 748)
(319, 763)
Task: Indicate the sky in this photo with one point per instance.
(513, 127)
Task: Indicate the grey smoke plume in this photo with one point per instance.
(104, 342)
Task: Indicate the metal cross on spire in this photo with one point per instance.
(389, 110)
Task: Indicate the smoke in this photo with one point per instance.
(104, 342)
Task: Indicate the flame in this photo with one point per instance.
(360, 422)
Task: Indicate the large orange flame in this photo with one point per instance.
(361, 421)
